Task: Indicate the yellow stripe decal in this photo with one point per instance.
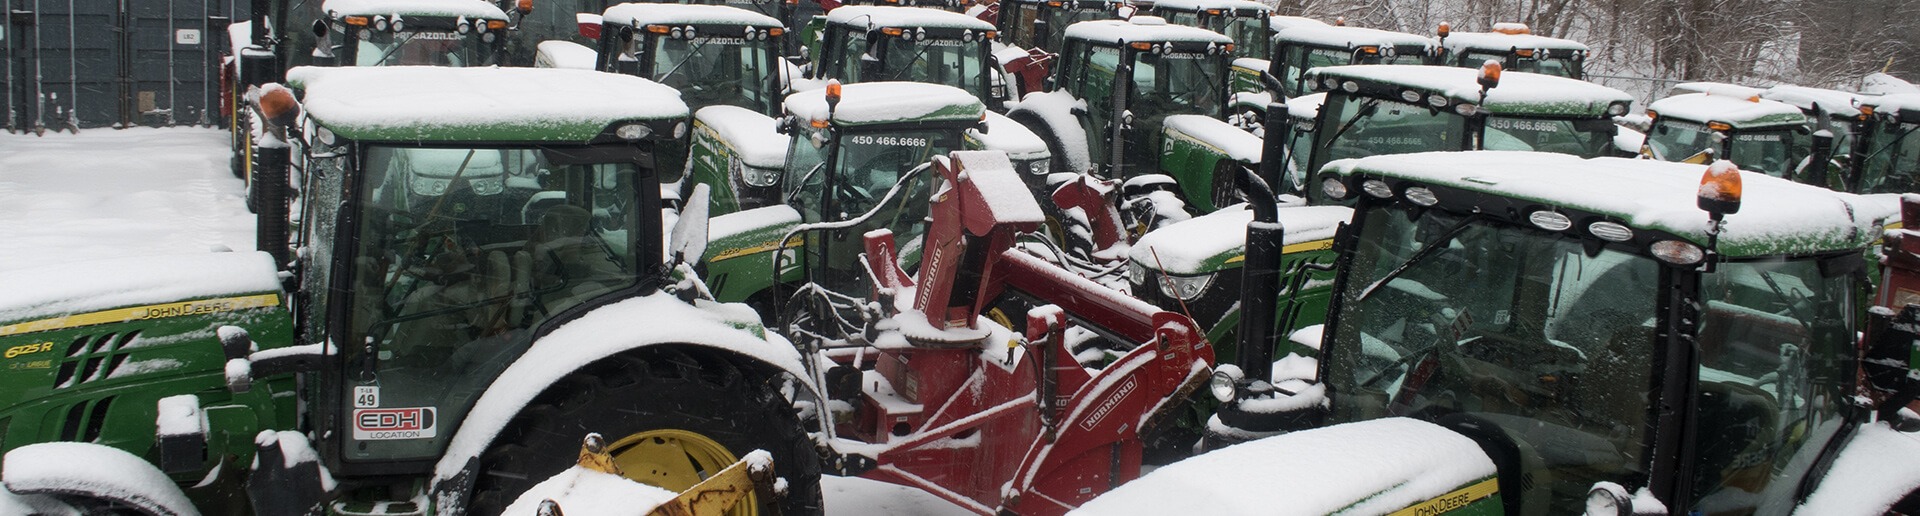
(160, 311)
(769, 246)
(1448, 502)
(1316, 245)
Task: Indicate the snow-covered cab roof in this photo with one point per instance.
(1282, 22)
(1739, 112)
(1518, 93)
(1655, 199)
(469, 9)
(1716, 88)
(881, 103)
(1236, 7)
(1141, 29)
(1503, 42)
(423, 103)
(641, 15)
(1323, 35)
(1903, 107)
(1835, 102)
(881, 16)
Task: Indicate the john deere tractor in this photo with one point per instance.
(1141, 102)
(481, 254)
(1527, 333)
(1764, 135)
(1515, 47)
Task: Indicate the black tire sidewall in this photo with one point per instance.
(651, 389)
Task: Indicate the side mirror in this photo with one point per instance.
(319, 30)
(688, 241)
(245, 362)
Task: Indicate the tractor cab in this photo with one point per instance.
(1133, 75)
(1300, 47)
(881, 43)
(1582, 332)
(1516, 48)
(453, 242)
(457, 33)
(1395, 109)
(855, 162)
(1247, 23)
(1885, 157)
(1042, 24)
(715, 55)
(1762, 135)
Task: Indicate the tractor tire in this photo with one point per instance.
(702, 410)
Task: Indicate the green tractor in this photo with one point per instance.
(1042, 24)
(1371, 110)
(1883, 161)
(849, 149)
(886, 43)
(1516, 48)
(715, 55)
(1142, 102)
(482, 250)
(1764, 135)
(1249, 24)
(1530, 333)
(1303, 45)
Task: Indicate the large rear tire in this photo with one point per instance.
(671, 417)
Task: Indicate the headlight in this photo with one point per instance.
(633, 131)
(1136, 273)
(1225, 379)
(1038, 167)
(755, 176)
(1184, 288)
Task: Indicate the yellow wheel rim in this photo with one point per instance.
(675, 460)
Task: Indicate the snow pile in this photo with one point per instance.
(873, 17)
(1874, 470)
(1776, 216)
(1230, 141)
(1201, 244)
(1458, 42)
(1055, 108)
(91, 468)
(469, 9)
(640, 15)
(1517, 93)
(1370, 467)
(1321, 34)
(581, 491)
(1141, 28)
(565, 54)
(112, 193)
(66, 289)
(544, 103)
(754, 137)
(884, 102)
(1004, 134)
(1739, 111)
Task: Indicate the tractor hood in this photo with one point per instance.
(1370, 467)
(1218, 240)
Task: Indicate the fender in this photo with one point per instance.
(731, 329)
(80, 469)
(1057, 113)
(741, 251)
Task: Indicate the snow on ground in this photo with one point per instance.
(108, 193)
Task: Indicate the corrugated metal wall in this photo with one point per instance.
(113, 63)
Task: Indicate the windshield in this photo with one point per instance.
(1249, 32)
(1770, 384)
(1510, 333)
(460, 254)
(1061, 18)
(869, 164)
(1588, 138)
(714, 70)
(1675, 140)
(1892, 163)
(1776, 152)
(950, 62)
(426, 48)
(1361, 126)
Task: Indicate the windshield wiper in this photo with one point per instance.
(1431, 249)
(904, 67)
(395, 48)
(1365, 110)
(691, 54)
